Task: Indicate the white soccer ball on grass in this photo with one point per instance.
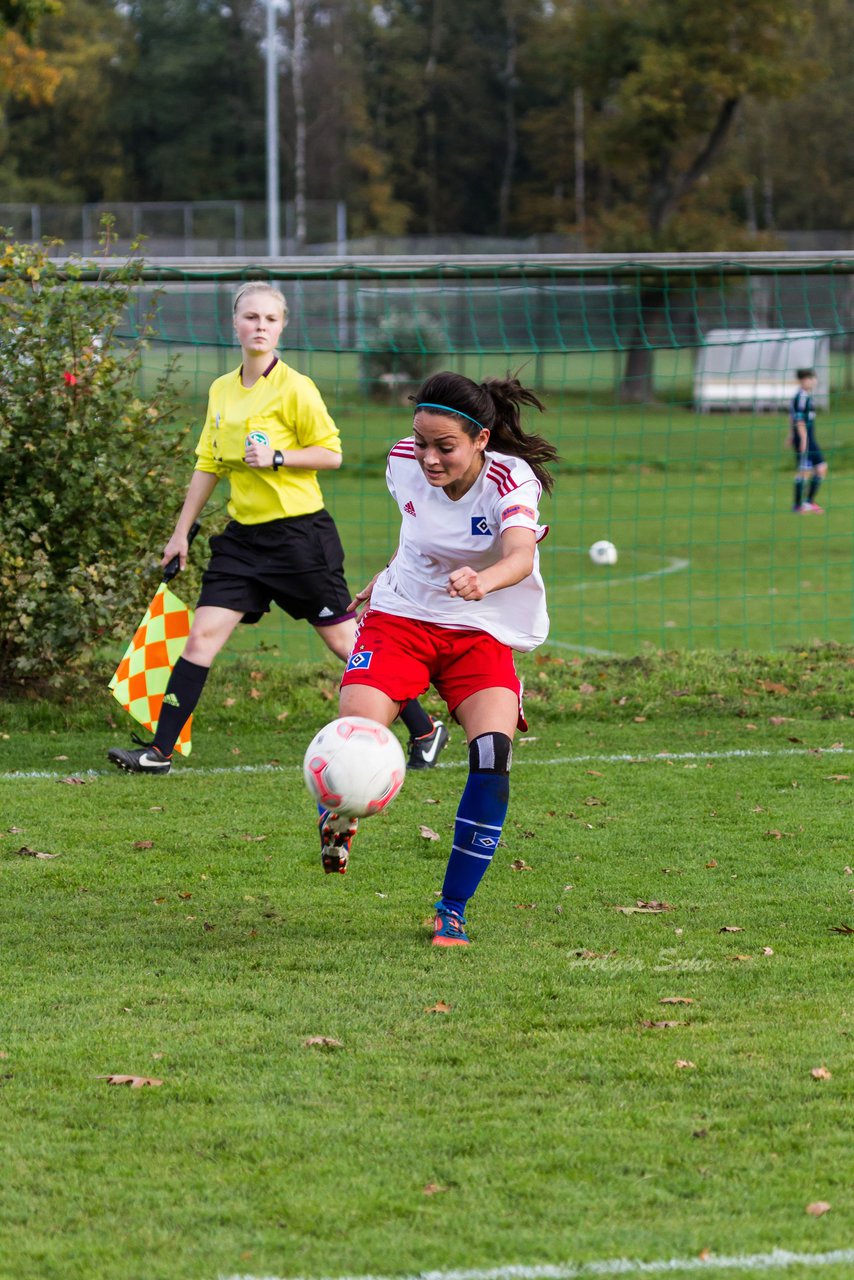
(603, 552)
(354, 766)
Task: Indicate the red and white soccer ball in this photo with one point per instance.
(354, 766)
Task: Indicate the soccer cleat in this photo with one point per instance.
(813, 509)
(142, 759)
(336, 835)
(424, 751)
(449, 928)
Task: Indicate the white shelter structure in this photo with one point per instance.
(756, 368)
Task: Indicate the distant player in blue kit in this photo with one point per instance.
(462, 592)
(811, 465)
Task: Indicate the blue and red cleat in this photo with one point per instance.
(449, 928)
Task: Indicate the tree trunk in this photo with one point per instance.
(431, 120)
(637, 382)
(299, 123)
(510, 130)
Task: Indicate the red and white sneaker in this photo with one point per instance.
(336, 835)
(812, 508)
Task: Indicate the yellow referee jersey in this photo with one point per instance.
(284, 410)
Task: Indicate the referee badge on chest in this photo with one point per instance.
(479, 526)
(257, 437)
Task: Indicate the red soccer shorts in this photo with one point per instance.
(402, 657)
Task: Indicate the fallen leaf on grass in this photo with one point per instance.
(848, 871)
(820, 1073)
(818, 1208)
(779, 719)
(519, 865)
(433, 1189)
(254, 839)
(677, 1000)
(439, 1007)
(17, 831)
(526, 906)
(767, 951)
(710, 865)
(143, 844)
(594, 955)
(322, 1042)
(135, 1082)
(660, 1025)
(639, 719)
(684, 1065)
(60, 757)
(731, 928)
(26, 852)
(646, 908)
(771, 687)
(427, 833)
(73, 781)
(839, 777)
(593, 801)
(594, 773)
(741, 957)
(841, 928)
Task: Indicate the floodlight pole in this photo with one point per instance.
(272, 66)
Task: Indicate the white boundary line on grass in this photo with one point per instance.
(776, 1260)
(735, 753)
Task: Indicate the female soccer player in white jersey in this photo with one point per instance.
(461, 593)
(268, 432)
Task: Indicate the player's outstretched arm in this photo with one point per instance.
(516, 563)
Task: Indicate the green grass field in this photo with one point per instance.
(698, 505)
(509, 1106)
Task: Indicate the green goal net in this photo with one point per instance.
(667, 382)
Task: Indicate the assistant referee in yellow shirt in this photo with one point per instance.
(268, 432)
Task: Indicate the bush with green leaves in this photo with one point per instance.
(398, 353)
(86, 465)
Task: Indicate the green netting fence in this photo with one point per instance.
(667, 381)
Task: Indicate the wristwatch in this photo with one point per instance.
(278, 459)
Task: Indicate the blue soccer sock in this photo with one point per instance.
(480, 817)
(815, 484)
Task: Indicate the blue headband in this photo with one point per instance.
(448, 409)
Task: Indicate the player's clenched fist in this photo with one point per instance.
(465, 583)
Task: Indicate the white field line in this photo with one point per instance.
(675, 565)
(776, 1260)
(735, 753)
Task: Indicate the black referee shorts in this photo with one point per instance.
(296, 563)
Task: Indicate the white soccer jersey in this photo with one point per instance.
(438, 535)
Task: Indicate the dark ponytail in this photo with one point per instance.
(496, 404)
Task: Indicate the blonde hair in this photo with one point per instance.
(261, 286)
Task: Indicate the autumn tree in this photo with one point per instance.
(664, 80)
(26, 74)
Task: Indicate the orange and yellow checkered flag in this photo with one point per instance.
(143, 673)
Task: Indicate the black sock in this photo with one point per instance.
(179, 702)
(799, 491)
(416, 719)
(813, 489)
